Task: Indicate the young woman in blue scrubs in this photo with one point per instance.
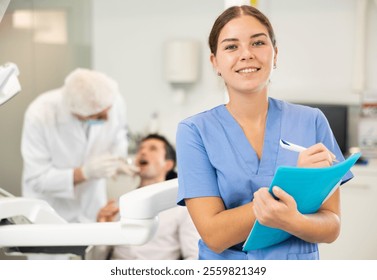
(227, 156)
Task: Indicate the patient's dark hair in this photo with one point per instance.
(170, 152)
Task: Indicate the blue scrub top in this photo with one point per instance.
(215, 158)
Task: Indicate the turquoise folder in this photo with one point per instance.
(309, 186)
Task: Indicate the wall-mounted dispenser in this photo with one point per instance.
(181, 65)
(182, 61)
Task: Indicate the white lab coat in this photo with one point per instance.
(54, 142)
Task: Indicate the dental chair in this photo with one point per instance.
(29, 226)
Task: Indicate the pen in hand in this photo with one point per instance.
(295, 148)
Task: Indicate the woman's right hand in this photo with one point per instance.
(316, 156)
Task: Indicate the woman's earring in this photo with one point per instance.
(275, 66)
(219, 74)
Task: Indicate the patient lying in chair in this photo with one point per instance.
(176, 236)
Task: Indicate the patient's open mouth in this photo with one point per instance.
(143, 162)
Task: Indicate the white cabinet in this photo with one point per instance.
(358, 237)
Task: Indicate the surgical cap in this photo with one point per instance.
(88, 92)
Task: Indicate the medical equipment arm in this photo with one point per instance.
(138, 220)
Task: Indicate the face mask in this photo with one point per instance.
(94, 122)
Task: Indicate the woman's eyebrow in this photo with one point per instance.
(251, 37)
(258, 34)
(229, 40)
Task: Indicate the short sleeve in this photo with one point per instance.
(196, 175)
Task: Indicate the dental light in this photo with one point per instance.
(9, 84)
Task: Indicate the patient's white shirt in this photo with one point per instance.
(176, 238)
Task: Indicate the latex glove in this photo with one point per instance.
(101, 167)
(128, 169)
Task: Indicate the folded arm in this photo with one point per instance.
(220, 228)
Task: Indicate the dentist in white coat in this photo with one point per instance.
(73, 139)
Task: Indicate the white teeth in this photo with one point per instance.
(248, 70)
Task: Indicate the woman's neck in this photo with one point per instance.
(250, 112)
(248, 108)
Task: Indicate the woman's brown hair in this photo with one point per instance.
(235, 12)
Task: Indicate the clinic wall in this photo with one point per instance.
(128, 43)
(316, 41)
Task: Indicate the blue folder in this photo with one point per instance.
(309, 186)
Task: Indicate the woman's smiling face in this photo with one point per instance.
(245, 55)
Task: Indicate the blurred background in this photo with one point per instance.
(326, 55)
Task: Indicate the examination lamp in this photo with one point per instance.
(9, 84)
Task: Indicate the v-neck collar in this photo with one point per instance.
(266, 164)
